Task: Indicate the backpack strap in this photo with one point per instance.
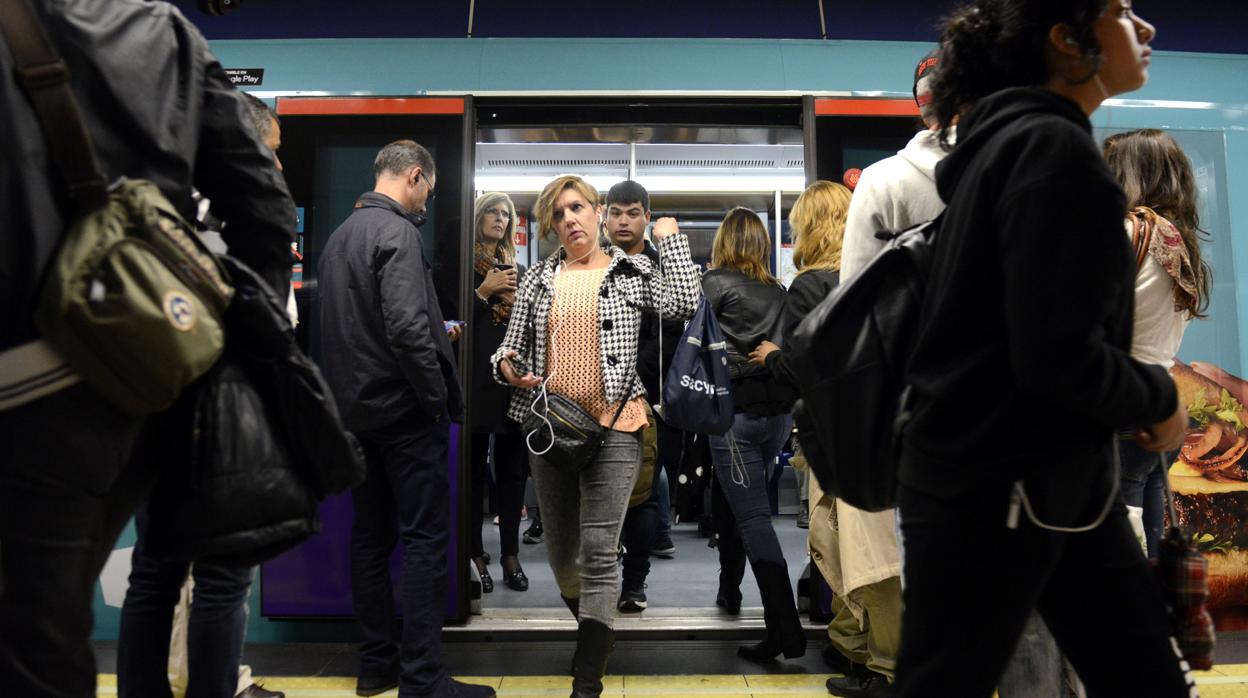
(45, 78)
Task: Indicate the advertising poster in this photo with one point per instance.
(1210, 484)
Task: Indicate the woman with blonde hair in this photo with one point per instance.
(748, 301)
(578, 320)
(495, 273)
(818, 224)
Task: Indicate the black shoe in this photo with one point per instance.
(516, 579)
(664, 547)
(860, 684)
(594, 642)
(457, 689)
(803, 514)
(375, 685)
(534, 533)
(632, 598)
(731, 603)
(255, 690)
(487, 582)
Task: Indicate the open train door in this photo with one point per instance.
(328, 148)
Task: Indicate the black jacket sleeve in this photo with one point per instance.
(1068, 288)
(402, 285)
(237, 173)
(804, 294)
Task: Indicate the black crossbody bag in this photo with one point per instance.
(560, 431)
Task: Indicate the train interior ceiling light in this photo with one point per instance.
(661, 168)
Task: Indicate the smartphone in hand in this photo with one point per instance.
(451, 324)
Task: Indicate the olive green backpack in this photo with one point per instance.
(133, 301)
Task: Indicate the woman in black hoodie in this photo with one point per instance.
(1022, 372)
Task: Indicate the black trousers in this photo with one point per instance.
(67, 488)
(510, 472)
(403, 500)
(970, 583)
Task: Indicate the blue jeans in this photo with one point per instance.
(402, 501)
(1036, 670)
(1143, 486)
(742, 477)
(214, 638)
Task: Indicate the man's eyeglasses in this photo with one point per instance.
(429, 183)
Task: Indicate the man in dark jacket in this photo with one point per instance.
(388, 360)
(157, 105)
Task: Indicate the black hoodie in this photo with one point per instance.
(1023, 366)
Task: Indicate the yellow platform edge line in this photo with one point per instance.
(713, 685)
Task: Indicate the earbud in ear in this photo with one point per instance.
(1071, 42)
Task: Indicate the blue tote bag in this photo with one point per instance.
(697, 394)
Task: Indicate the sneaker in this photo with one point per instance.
(534, 534)
(664, 547)
(632, 598)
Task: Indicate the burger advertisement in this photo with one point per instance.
(1209, 479)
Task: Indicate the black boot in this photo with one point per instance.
(574, 605)
(731, 570)
(727, 540)
(594, 642)
(784, 627)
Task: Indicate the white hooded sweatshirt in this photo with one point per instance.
(854, 548)
(893, 194)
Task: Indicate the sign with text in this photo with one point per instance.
(245, 77)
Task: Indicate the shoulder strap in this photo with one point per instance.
(45, 78)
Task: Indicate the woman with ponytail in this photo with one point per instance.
(1022, 373)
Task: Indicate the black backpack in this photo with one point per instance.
(851, 352)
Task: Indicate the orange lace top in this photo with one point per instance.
(574, 359)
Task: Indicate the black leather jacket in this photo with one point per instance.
(157, 106)
(748, 312)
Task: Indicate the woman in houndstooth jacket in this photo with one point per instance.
(585, 304)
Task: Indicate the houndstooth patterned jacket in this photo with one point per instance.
(631, 285)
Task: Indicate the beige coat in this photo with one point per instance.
(851, 547)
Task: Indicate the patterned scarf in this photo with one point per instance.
(1154, 236)
(484, 260)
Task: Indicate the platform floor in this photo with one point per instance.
(648, 668)
(1229, 681)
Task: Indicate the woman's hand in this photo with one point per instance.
(513, 379)
(759, 355)
(664, 227)
(455, 332)
(497, 282)
(1164, 436)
